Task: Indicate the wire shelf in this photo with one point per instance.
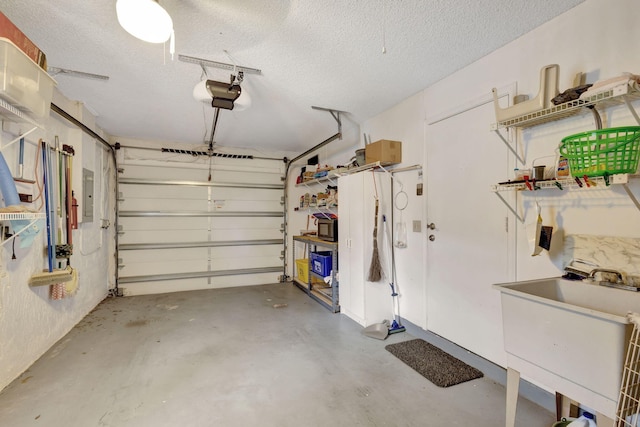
(568, 183)
(10, 112)
(614, 96)
(10, 216)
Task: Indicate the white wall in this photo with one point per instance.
(31, 322)
(596, 37)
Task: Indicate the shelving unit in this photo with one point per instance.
(321, 292)
(24, 216)
(617, 95)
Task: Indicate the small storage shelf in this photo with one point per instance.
(315, 286)
(566, 183)
(598, 182)
(620, 94)
(336, 173)
(32, 217)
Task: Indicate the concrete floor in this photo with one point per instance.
(238, 357)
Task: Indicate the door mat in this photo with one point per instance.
(437, 366)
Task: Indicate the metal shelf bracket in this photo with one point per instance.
(513, 211)
(509, 146)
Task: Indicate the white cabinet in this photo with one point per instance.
(363, 301)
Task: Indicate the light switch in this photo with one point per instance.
(417, 226)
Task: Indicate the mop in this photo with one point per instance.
(396, 325)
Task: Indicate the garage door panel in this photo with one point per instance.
(232, 193)
(226, 205)
(256, 177)
(166, 192)
(163, 223)
(151, 268)
(163, 286)
(179, 231)
(268, 223)
(164, 205)
(244, 234)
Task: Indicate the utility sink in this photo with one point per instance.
(581, 296)
(570, 336)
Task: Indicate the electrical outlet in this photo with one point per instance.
(417, 226)
(419, 189)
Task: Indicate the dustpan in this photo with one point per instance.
(378, 331)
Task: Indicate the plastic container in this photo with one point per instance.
(585, 420)
(302, 269)
(321, 263)
(23, 84)
(604, 151)
(563, 168)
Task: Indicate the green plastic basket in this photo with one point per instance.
(602, 152)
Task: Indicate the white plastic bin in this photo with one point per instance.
(23, 83)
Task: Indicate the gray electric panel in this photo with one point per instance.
(87, 195)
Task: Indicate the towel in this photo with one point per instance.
(607, 84)
(634, 318)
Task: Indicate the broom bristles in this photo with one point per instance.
(375, 269)
(50, 278)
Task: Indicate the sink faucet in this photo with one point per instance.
(620, 283)
(592, 274)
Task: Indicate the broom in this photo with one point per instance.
(375, 269)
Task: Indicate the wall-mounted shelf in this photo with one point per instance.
(567, 183)
(336, 173)
(32, 217)
(11, 113)
(570, 184)
(621, 94)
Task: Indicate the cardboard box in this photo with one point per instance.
(9, 31)
(384, 151)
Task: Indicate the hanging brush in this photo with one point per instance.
(375, 269)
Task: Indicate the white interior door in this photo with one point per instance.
(467, 250)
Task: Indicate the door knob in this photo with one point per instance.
(432, 237)
(431, 226)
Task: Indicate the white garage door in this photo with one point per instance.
(178, 230)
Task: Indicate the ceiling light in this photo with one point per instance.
(145, 19)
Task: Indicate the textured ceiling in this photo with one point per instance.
(327, 53)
